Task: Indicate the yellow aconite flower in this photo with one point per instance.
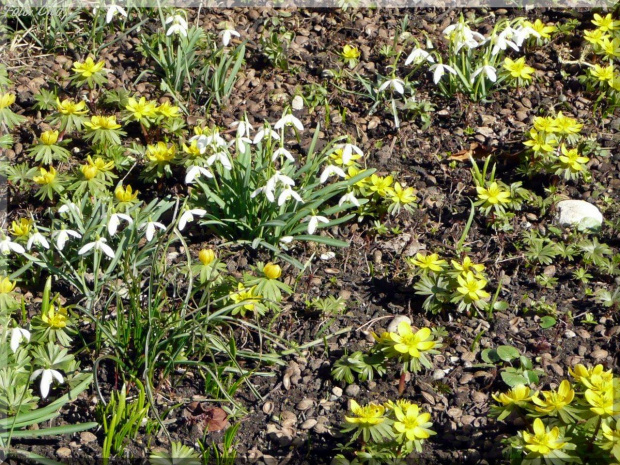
(595, 36)
(519, 393)
(45, 177)
(518, 68)
(336, 157)
(402, 195)
(603, 402)
(141, 109)
(493, 194)
(539, 142)
(603, 74)
(410, 343)
(606, 23)
(611, 47)
(69, 107)
(272, 271)
(428, 262)
(412, 423)
(167, 110)
(49, 137)
(379, 184)
(55, 319)
(542, 441)
(160, 153)
(567, 125)
(350, 53)
(125, 194)
(193, 150)
(21, 228)
(583, 374)
(467, 265)
(555, 400)
(89, 171)
(102, 122)
(368, 415)
(206, 256)
(6, 285)
(545, 124)
(572, 159)
(352, 171)
(472, 287)
(542, 29)
(101, 164)
(243, 294)
(612, 435)
(6, 100)
(88, 68)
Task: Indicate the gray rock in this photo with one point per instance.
(353, 390)
(579, 213)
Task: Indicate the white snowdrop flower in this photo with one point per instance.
(7, 246)
(462, 36)
(189, 216)
(37, 239)
(419, 55)
(114, 10)
(523, 33)
(243, 127)
(285, 153)
(313, 222)
(286, 194)
(286, 239)
(63, 236)
(222, 158)
(297, 103)
(241, 143)
(331, 170)
(440, 70)
(150, 227)
(179, 25)
(288, 120)
(349, 198)
(196, 171)
(265, 132)
(115, 220)
(70, 206)
(227, 34)
(47, 378)
(257, 191)
(99, 244)
(17, 336)
(396, 84)
(503, 40)
(347, 151)
(213, 140)
(327, 255)
(270, 187)
(488, 70)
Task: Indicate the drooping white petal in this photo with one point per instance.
(86, 248)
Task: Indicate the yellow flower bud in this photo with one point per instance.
(206, 256)
(272, 271)
(6, 285)
(125, 194)
(21, 228)
(6, 100)
(46, 177)
(89, 171)
(49, 137)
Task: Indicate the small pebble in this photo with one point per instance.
(337, 391)
(352, 390)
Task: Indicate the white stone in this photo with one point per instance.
(297, 103)
(579, 213)
(393, 326)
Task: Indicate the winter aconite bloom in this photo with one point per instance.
(467, 265)
(168, 111)
(6, 100)
(518, 69)
(380, 185)
(22, 227)
(102, 122)
(592, 377)
(412, 423)
(206, 256)
(350, 55)
(88, 68)
(543, 441)
(49, 137)
(246, 296)
(472, 287)
(160, 153)
(6, 285)
(272, 271)
(572, 160)
(46, 176)
(605, 23)
(543, 30)
(125, 194)
(56, 319)
(430, 262)
(555, 401)
(69, 107)
(567, 125)
(368, 415)
(603, 73)
(141, 109)
(412, 343)
(402, 195)
(519, 393)
(540, 142)
(493, 194)
(602, 402)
